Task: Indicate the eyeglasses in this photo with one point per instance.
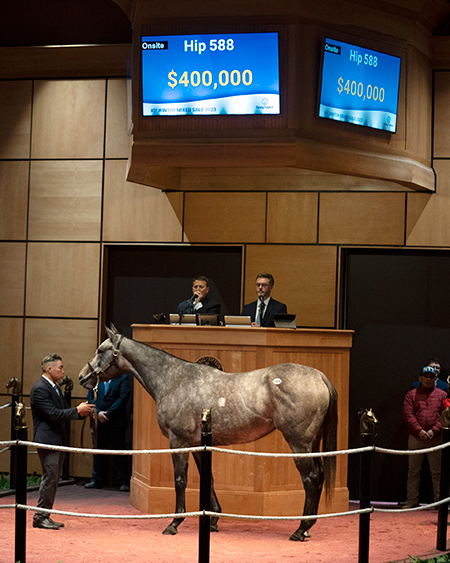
(262, 284)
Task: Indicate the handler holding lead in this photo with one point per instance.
(50, 412)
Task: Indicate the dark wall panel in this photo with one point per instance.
(398, 304)
(145, 280)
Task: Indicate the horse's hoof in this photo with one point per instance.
(170, 530)
(297, 536)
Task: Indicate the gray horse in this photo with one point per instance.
(298, 400)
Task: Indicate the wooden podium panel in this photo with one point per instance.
(244, 484)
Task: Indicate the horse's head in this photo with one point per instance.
(105, 363)
(367, 422)
(15, 384)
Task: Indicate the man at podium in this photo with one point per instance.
(265, 307)
(199, 303)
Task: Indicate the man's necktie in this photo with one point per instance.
(261, 309)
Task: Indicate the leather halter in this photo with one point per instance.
(99, 371)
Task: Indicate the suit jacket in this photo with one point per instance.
(209, 307)
(272, 308)
(114, 400)
(50, 412)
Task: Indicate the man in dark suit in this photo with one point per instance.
(199, 303)
(265, 307)
(50, 412)
(111, 405)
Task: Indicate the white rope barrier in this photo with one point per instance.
(371, 509)
(223, 450)
(4, 450)
(268, 454)
(411, 452)
(5, 406)
(416, 508)
(185, 514)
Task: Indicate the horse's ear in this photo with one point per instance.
(111, 332)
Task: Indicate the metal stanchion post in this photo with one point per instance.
(16, 386)
(21, 455)
(15, 399)
(441, 542)
(367, 425)
(205, 489)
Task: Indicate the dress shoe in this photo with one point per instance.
(59, 524)
(410, 505)
(124, 488)
(45, 524)
(93, 485)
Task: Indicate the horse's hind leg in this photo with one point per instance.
(180, 466)
(311, 471)
(215, 506)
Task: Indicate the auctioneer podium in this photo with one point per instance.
(264, 486)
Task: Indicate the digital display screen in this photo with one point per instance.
(213, 74)
(359, 86)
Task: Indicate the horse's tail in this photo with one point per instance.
(330, 440)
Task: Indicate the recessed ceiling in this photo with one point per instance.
(62, 22)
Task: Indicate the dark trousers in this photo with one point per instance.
(110, 437)
(52, 463)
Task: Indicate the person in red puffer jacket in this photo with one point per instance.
(422, 409)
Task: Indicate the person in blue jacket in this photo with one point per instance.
(111, 405)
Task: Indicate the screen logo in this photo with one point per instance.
(334, 49)
(155, 45)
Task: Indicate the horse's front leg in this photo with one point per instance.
(311, 470)
(180, 467)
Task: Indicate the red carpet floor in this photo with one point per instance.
(392, 536)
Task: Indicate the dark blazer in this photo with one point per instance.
(114, 401)
(209, 307)
(272, 308)
(50, 412)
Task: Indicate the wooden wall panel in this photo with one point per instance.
(63, 279)
(135, 213)
(65, 200)
(5, 434)
(15, 118)
(419, 106)
(305, 279)
(427, 218)
(361, 218)
(68, 119)
(441, 146)
(12, 277)
(11, 330)
(292, 217)
(75, 340)
(225, 217)
(118, 142)
(13, 199)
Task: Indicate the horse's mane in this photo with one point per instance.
(158, 352)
